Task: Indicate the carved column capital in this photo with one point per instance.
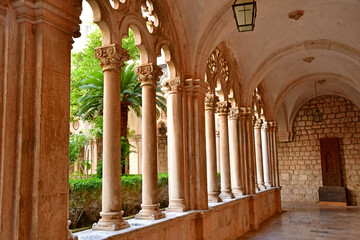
(223, 108)
(137, 137)
(258, 123)
(210, 101)
(148, 74)
(234, 113)
(273, 125)
(112, 57)
(246, 112)
(265, 126)
(172, 85)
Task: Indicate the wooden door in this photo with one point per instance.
(330, 162)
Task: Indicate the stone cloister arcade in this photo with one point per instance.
(252, 84)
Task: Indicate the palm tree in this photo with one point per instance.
(91, 104)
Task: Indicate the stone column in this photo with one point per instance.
(173, 90)
(189, 165)
(275, 158)
(265, 153)
(258, 154)
(137, 138)
(218, 167)
(271, 155)
(112, 58)
(249, 149)
(148, 76)
(235, 165)
(195, 155)
(212, 181)
(223, 111)
(200, 89)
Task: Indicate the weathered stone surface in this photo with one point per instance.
(299, 161)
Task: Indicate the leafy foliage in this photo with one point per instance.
(77, 143)
(85, 197)
(83, 63)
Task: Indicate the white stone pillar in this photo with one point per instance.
(148, 76)
(223, 111)
(137, 138)
(235, 160)
(212, 181)
(112, 58)
(249, 149)
(275, 158)
(258, 154)
(173, 90)
(265, 153)
(217, 134)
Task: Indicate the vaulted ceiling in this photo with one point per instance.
(284, 55)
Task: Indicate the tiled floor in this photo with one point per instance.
(310, 221)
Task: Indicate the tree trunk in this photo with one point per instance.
(124, 124)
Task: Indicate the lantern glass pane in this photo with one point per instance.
(240, 15)
(248, 14)
(245, 28)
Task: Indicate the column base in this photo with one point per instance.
(262, 187)
(150, 212)
(238, 192)
(112, 221)
(176, 205)
(226, 194)
(268, 185)
(214, 198)
(257, 189)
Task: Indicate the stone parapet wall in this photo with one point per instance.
(227, 220)
(300, 160)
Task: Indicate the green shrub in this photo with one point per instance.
(85, 197)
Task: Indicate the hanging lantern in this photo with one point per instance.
(317, 115)
(245, 14)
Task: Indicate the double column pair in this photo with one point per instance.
(237, 156)
(112, 59)
(212, 103)
(266, 154)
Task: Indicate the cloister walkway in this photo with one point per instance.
(310, 221)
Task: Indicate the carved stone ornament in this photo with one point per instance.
(258, 123)
(211, 101)
(224, 69)
(112, 57)
(223, 108)
(172, 86)
(246, 112)
(70, 236)
(212, 61)
(234, 113)
(148, 74)
(265, 126)
(151, 17)
(273, 125)
(217, 64)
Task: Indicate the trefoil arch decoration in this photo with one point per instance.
(151, 17)
(218, 71)
(116, 3)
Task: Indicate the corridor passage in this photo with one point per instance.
(310, 221)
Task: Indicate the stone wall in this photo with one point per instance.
(300, 161)
(229, 219)
(162, 153)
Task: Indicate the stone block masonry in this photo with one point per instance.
(300, 160)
